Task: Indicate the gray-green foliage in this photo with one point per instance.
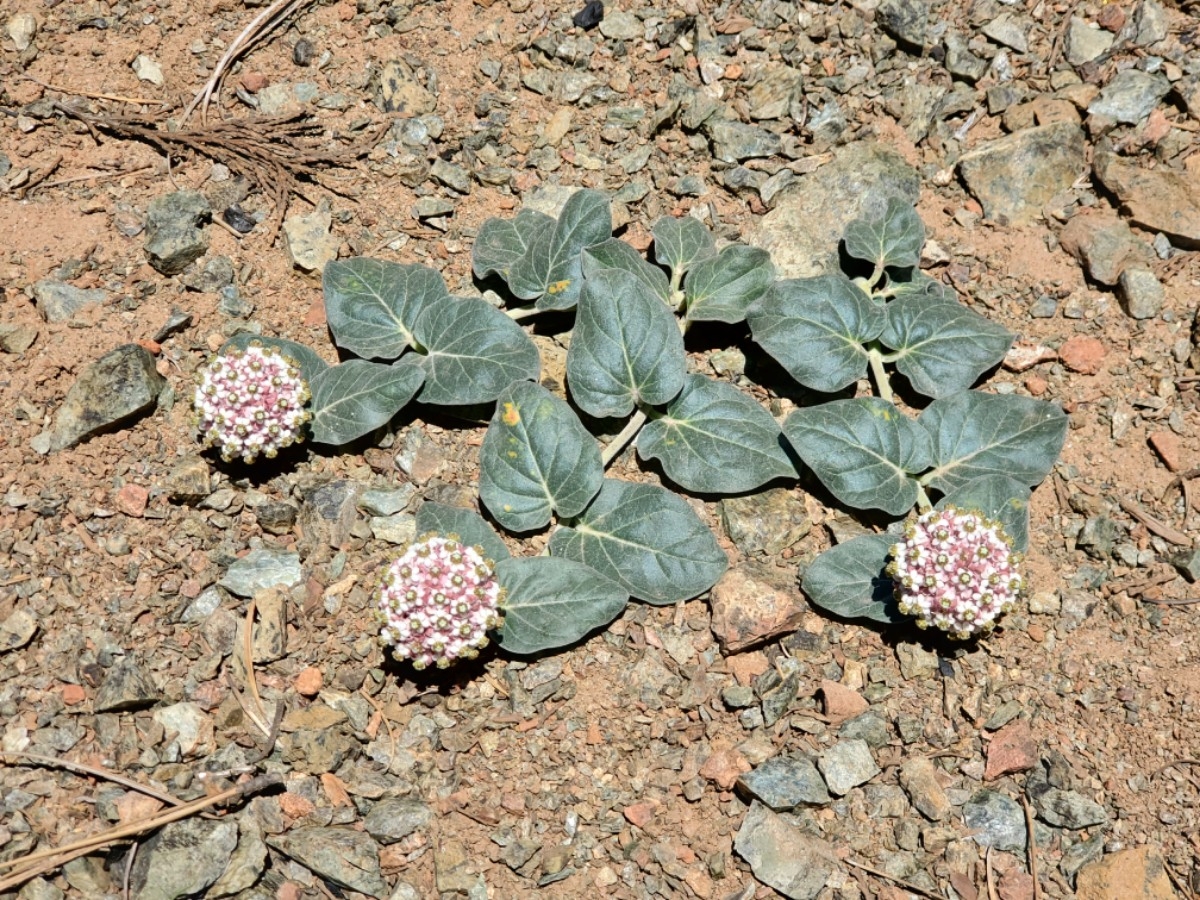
(613, 540)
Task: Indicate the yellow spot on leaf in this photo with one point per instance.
(559, 286)
(511, 415)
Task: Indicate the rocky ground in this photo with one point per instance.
(687, 752)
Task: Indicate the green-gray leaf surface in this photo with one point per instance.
(895, 240)
(372, 305)
(553, 602)
(616, 254)
(715, 439)
(722, 288)
(469, 526)
(942, 346)
(305, 358)
(849, 580)
(681, 243)
(976, 434)
(473, 352)
(537, 458)
(997, 497)
(356, 397)
(645, 538)
(626, 347)
(816, 327)
(501, 242)
(551, 271)
(921, 286)
(865, 451)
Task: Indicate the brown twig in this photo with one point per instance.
(114, 98)
(1031, 848)
(272, 736)
(1164, 601)
(987, 868)
(912, 888)
(1166, 532)
(39, 176)
(82, 769)
(98, 176)
(259, 714)
(129, 858)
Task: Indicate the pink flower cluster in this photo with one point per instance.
(437, 602)
(957, 571)
(250, 402)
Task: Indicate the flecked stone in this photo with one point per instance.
(16, 338)
(620, 25)
(785, 782)
(125, 686)
(381, 502)
(735, 141)
(59, 302)
(870, 726)
(247, 862)
(147, 69)
(1142, 294)
(1130, 96)
(961, 62)
(175, 234)
(846, 765)
(1013, 177)
(777, 88)
(347, 857)
(400, 91)
(261, 569)
(1085, 42)
(905, 20)
(1102, 242)
(398, 529)
(276, 516)
(1012, 749)
(17, 630)
(1010, 30)
(1098, 536)
(751, 603)
(919, 778)
(1069, 809)
(916, 662)
(1134, 874)
(21, 28)
(395, 818)
(308, 240)
(182, 859)
(193, 728)
(119, 386)
(782, 856)
(997, 820)
(1158, 199)
(189, 480)
(768, 523)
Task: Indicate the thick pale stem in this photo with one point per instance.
(880, 374)
(678, 297)
(521, 312)
(923, 503)
(628, 433)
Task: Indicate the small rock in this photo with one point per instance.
(398, 529)
(175, 234)
(328, 513)
(1098, 536)
(639, 814)
(379, 502)
(308, 241)
(785, 782)
(777, 688)
(40, 889)
(270, 632)
(1134, 874)
(869, 726)
(308, 682)
(1141, 293)
(1082, 354)
(1022, 357)
(303, 52)
(22, 28)
(961, 62)
(782, 856)
(262, 569)
(1085, 42)
(916, 662)
(110, 392)
(998, 821)
(778, 88)
(907, 21)
(276, 516)
(146, 68)
(189, 481)
(454, 872)
(17, 630)
(182, 859)
(395, 818)
(1010, 30)
(1158, 199)
(400, 91)
(1069, 809)
(768, 523)
(723, 767)
(125, 686)
(1102, 242)
(342, 855)
(59, 302)
(1150, 23)
(1012, 749)
(1187, 563)
(735, 141)
(1130, 96)
(919, 778)
(245, 865)
(841, 702)
(621, 26)
(752, 603)
(452, 176)
(16, 338)
(846, 765)
(193, 729)
(131, 500)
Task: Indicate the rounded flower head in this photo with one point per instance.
(250, 402)
(956, 570)
(438, 601)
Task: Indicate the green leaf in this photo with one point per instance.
(976, 434)
(372, 305)
(469, 526)
(865, 451)
(356, 397)
(501, 242)
(722, 288)
(997, 497)
(626, 347)
(646, 539)
(715, 439)
(473, 352)
(943, 347)
(921, 286)
(536, 458)
(816, 327)
(309, 363)
(681, 243)
(616, 254)
(849, 580)
(552, 602)
(895, 240)
(551, 271)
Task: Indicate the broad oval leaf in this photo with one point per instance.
(942, 346)
(469, 527)
(681, 243)
(865, 451)
(976, 434)
(537, 458)
(921, 286)
(646, 539)
(356, 397)
(997, 497)
(626, 347)
(816, 327)
(501, 242)
(849, 580)
(724, 287)
(894, 240)
(551, 271)
(372, 305)
(310, 364)
(552, 602)
(616, 254)
(715, 439)
(473, 352)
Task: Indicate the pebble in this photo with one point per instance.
(308, 681)
(723, 767)
(1187, 562)
(907, 21)
(146, 68)
(182, 859)
(1102, 242)
(621, 25)
(395, 818)
(1134, 874)
(60, 302)
(1083, 354)
(308, 241)
(846, 765)
(400, 91)
(920, 779)
(262, 569)
(1130, 96)
(386, 502)
(17, 630)
(1069, 809)
(126, 686)
(1012, 749)
(778, 89)
(768, 522)
(193, 729)
(782, 856)
(1159, 199)
(16, 338)
(247, 863)
(785, 782)
(870, 726)
(22, 28)
(1142, 294)
(734, 141)
(1085, 42)
(348, 858)
(189, 481)
(752, 603)
(175, 234)
(997, 820)
(398, 529)
(915, 661)
(841, 702)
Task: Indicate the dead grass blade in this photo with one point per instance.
(82, 769)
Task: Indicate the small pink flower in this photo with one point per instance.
(956, 570)
(437, 602)
(251, 401)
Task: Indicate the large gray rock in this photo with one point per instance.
(905, 20)
(1085, 42)
(1013, 177)
(800, 232)
(996, 820)
(58, 302)
(1155, 199)
(785, 782)
(175, 234)
(261, 569)
(115, 388)
(344, 856)
(1130, 96)
(782, 856)
(182, 859)
(734, 141)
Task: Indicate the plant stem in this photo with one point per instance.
(521, 312)
(617, 444)
(881, 377)
(678, 298)
(923, 503)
